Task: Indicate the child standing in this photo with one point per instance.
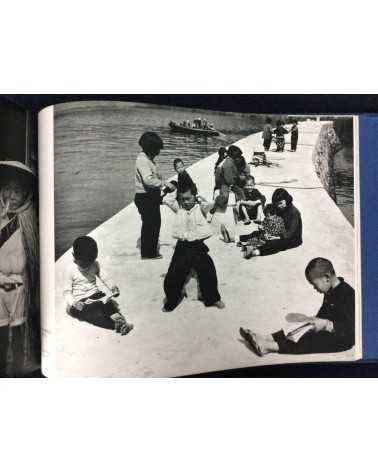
(82, 294)
(251, 208)
(294, 136)
(267, 134)
(190, 228)
(332, 329)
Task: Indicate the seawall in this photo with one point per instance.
(258, 293)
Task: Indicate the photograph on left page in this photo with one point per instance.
(19, 258)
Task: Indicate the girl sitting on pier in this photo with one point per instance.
(291, 237)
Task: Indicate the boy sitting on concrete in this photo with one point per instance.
(331, 330)
(251, 207)
(190, 228)
(84, 299)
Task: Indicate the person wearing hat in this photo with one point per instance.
(18, 263)
(291, 237)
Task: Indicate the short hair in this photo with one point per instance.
(250, 177)
(319, 267)
(234, 151)
(186, 187)
(85, 247)
(176, 161)
(150, 142)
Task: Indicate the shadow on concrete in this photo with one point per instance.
(94, 315)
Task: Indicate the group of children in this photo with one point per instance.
(280, 228)
(280, 131)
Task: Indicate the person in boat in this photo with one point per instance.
(19, 323)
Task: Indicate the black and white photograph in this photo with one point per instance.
(190, 240)
(19, 258)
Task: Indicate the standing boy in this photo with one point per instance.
(190, 228)
(332, 329)
(267, 134)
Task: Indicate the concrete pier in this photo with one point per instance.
(258, 293)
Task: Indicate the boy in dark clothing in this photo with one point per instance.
(183, 179)
(267, 134)
(294, 136)
(331, 330)
(292, 237)
(251, 208)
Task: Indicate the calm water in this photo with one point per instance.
(96, 144)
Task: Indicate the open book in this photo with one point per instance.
(157, 246)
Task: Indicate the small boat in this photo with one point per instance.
(180, 128)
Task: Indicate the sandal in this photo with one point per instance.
(250, 338)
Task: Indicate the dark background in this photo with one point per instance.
(266, 104)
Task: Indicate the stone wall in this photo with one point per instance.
(327, 145)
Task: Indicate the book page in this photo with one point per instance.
(185, 281)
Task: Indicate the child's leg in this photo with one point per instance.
(207, 276)
(243, 213)
(176, 276)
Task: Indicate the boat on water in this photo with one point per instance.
(196, 128)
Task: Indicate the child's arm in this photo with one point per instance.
(172, 204)
(67, 290)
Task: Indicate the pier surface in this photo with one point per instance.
(258, 293)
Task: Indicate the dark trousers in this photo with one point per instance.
(17, 349)
(276, 245)
(267, 143)
(187, 256)
(312, 343)
(148, 205)
(280, 141)
(294, 142)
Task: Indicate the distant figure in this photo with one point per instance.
(291, 237)
(331, 330)
(294, 136)
(280, 132)
(19, 264)
(83, 297)
(148, 184)
(191, 229)
(251, 207)
(267, 134)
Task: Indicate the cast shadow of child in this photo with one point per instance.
(96, 314)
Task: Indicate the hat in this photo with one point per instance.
(9, 169)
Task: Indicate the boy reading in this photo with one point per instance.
(83, 297)
(190, 228)
(332, 329)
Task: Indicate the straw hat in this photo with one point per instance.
(15, 169)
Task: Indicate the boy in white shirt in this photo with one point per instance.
(190, 228)
(84, 298)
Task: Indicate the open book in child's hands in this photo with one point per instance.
(298, 324)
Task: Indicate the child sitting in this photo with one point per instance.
(190, 228)
(331, 330)
(251, 208)
(82, 294)
(272, 227)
